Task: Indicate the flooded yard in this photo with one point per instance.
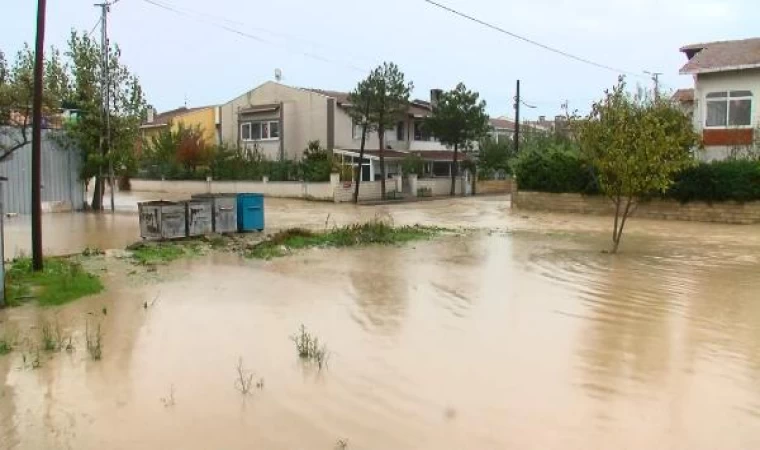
(518, 334)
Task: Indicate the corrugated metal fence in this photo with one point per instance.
(60, 176)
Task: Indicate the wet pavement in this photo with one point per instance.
(520, 334)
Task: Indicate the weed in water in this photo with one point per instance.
(105, 311)
(169, 401)
(308, 348)
(94, 340)
(61, 281)
(6, 346)
(376, 232)
(52, 338)
(92, 252)
(341, 444)
(245, 380)
(32, 360)
(152, 253)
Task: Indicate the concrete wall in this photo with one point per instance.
(368, 191)
(724, 212)
(724, 81)
(61, 188)
(439, 186)
(284, 189)
(495, 186)
(304, 117)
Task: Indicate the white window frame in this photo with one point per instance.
(251, 123)
(728, 98)
(356, 130)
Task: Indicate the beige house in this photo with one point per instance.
(725, 96)
(279, 121)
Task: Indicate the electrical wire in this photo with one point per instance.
(532, 42)
(95, 27)
(215, 21)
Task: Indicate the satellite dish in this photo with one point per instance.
(278, 75)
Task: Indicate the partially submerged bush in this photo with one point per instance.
(309, 349)
(61, 281)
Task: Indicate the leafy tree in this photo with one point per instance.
(388, 96)
(637, 144)
(458, 120)
(125, 111)
(361, 99)
(412, 163)
(17, 93)
(494, 156)
(192, 150)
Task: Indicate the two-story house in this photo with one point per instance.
(279, 121)
(726, 95)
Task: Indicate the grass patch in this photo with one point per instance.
(152, 253)
(375, 232)
(62, 281)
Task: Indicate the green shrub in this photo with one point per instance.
(737, 180)
(554, 170)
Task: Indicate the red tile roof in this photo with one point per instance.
(683, 96)
(722, 56)
(503, 124)
(417, 108)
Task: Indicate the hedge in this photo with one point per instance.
(556, 170)
(718, 181)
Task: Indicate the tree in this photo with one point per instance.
(126, 108)
(191, 150)
(17, 93)
(458, 120)
(361, 101)
(388, 95)
(494, 156)
(636, 145)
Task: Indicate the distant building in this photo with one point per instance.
(726, 93)
(205, 117)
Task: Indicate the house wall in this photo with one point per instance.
(344, 136)
(283, 189)
(722, 212)
(304, 118)
(439, 186)
(730, 138)
(203, 118)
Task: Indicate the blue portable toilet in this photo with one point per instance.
(250, 209)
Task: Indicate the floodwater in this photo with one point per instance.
(520, 334)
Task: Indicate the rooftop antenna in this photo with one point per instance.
(278, 75)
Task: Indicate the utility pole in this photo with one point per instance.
(105, 140)
(656, 80)
(517, 119)
(37, 140)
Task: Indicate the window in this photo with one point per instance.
(420, 134)
(356, 130)
(260, 131)
(400, 134)
(390, 134)
(729, 109)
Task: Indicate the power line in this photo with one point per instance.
(532, 42)
(95, 27)
(215, 21)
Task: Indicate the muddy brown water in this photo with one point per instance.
(518, 335)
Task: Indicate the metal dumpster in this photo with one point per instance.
(250, 212)
(200, 217)
(162, 220)
(225, 211)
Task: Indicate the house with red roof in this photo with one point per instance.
(726, 96)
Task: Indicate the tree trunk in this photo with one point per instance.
(626, 212)
(454, 170)
(361, 160)
(381, 137)
(97, 195)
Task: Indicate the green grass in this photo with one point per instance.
(371, 233)
(62, 281)
(150, 253)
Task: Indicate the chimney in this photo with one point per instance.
(542, 118)
(151, 115)
(559, 118)
(435, 94)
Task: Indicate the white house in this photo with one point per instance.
(726, 95)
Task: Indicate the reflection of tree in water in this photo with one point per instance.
(380, 287)
(628, 327)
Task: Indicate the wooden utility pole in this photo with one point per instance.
(37, 139)
(517, 119)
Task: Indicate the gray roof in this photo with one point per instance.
(722, 56)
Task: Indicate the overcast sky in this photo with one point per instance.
(179, 57)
